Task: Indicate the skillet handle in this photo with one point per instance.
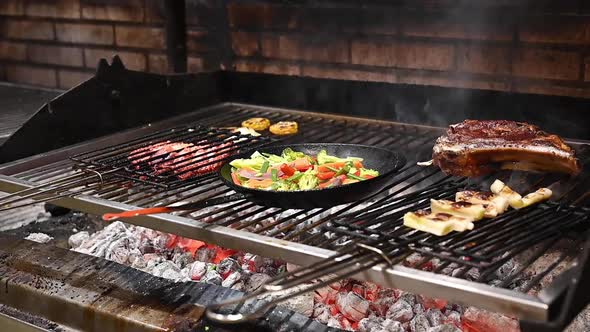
(175, 207)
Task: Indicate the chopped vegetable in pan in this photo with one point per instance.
(294, 170)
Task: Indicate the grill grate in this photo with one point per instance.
(486, 250)
(172, 157)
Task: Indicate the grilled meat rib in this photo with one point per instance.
(472, 147)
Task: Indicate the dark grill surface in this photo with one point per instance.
(143, 162)
(375, 220)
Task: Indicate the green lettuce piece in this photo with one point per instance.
(286, 186)
(324, 158)
(256, 161)
(290, 155)
(366, 171)
(253, 163)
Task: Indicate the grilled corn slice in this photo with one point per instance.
(438, 224)
(458, 209)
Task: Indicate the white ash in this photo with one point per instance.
(444, 328)
(39, 237)
(419, 323)
(401, 311)
(212, 277)
(76, 239)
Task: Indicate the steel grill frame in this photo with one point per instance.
(289, 238)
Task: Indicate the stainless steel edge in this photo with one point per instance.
(456, 290)
(9, 323)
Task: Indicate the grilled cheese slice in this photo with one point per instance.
(459, 209)
(501, 189)
(437, 223)
(536, 197)
(494, 204)
(517, 201)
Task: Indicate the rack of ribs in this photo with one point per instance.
(474, 148)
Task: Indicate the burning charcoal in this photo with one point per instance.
(160, 242)
(352, 306)
(255, 281)
(408, 297)
(435, 316)
(489, 321)
(392, 326)
(119, 255)
(197, 270)
(146, 247)
(182, 259)
(133, 255)
(506, 269)
(419, 324)
(400, 311)
(418, 308)
(267, 269)
(212, 277)
(205, 254)
(251, 262)
(458, 308)
(429, 302)
(371, 291)
(346, 325)
(321, 313)
(159, 269)
(302, 303)
(321, 294)
(231, 279)
(139, 263)
(333, 322)
(370, 324)
(172, 275)
(385, 299)
(472, 274)
(76, 240)
(360, 290)
(39, 237)
(239, 286)
(444, 328)
(227, 266)
(454, 317)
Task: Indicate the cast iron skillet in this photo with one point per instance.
(385, 161)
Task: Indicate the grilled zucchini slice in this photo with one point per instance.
(436, 223)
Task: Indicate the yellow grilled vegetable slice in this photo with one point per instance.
(536, 197)
(458, 209)
(438, 224)
(284, 128)
(494, 204)
(514, 198)
(258, 124)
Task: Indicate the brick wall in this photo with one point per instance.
(521, 46)
(540, 46)
(58, 43)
